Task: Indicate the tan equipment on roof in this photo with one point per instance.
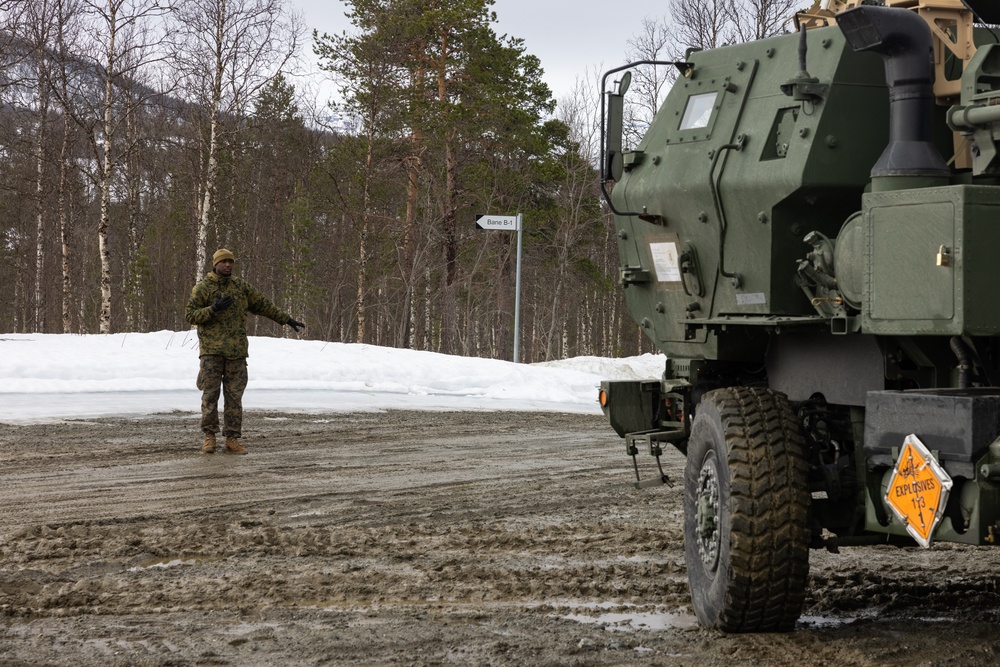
(950, 22)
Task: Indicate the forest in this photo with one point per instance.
(138, 136)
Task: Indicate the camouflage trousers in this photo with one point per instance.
(228, 376)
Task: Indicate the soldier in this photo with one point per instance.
(219, 305)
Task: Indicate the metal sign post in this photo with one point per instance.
(509, 223)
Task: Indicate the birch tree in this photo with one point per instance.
(226, 52)
(654, 42)
(125, 37)
(708, 24)
(66, 45)
(703, 24)
(39, 20)
(15, 26)
(757, 19)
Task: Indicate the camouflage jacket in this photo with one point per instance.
(225, 333)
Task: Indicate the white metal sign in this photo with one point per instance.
(509, 223)
(666, 262)
(502, 222)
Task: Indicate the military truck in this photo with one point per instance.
(809, 231)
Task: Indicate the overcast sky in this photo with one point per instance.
(570, 37)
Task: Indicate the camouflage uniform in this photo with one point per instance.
(224, 345)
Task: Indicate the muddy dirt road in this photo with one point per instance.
(411, 538)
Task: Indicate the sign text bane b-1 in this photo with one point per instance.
(502, 222)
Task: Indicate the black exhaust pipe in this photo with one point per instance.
(903, 40)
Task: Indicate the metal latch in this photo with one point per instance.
(634, 275)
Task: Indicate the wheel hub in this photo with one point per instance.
(707, 514)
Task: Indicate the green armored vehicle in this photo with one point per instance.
(810, 232)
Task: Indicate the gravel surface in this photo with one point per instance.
(412, 538)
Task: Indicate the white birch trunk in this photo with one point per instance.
(201, 242)
(107, 170)
(39, 319)
(64, 227)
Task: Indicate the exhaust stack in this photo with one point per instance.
(903, 40)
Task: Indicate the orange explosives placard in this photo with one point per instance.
(918, 490)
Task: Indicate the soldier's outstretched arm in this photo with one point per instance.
(258, 304)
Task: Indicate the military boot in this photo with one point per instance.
(233, 446)
(208, 447)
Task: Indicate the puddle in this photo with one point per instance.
(164, 563)
(680, 619)
(828, 622)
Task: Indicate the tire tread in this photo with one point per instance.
(769, 504)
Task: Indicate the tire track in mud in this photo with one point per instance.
(410, 538)
(166, 479)
(410, 521)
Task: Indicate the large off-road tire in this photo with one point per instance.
(746, 501)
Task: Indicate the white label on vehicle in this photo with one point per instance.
(665, 262)
(751, 299)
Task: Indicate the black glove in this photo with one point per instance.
(296, 325)
(221, 304)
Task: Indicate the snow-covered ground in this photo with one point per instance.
(49, 377)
